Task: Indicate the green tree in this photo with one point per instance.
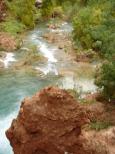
(105, 79)
(94, 26)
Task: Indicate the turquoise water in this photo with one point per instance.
(14, 87)
(58, 69)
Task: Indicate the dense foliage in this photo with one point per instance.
(23, 10)
(93, 22)
(13, 26)
(51, 7)
(105, 79)
(93, 28)
(20, 15)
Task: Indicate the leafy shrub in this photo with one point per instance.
(66, 7)
(12, 26)
(22, 10)
(47, 8)
(51, 8)
(105, 79)
(57, 11)
(99, 125)
(94, 26)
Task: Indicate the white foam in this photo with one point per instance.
(50, 68)
(81, 85)
(43, 48)
(57, 30)
(68, 82)
(34, 37)
(24, 48)
(47, 52)
(9, 58)
(4, 125)
(65, 23)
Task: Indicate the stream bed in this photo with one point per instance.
(58, 70)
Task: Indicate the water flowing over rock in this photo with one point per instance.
(48, 123)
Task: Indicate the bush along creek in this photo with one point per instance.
(65, 44)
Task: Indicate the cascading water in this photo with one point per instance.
(51, 63)
(15, 86)
(8, 59)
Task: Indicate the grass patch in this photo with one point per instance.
(97, 125)
(85, 101)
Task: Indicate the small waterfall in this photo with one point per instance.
(47, 52)
(50, 68)
(9, 58)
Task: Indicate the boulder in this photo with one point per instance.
(48, 123)
(38, 3)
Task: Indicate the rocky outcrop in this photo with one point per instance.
(48, 123)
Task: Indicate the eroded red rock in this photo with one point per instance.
(48, 123)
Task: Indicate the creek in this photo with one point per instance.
(59, 69)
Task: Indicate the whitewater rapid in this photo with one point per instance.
(10, 57)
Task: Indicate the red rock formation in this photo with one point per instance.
(48, 123)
